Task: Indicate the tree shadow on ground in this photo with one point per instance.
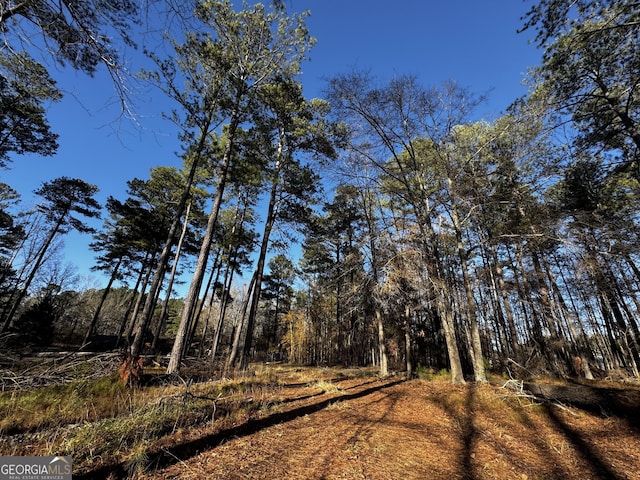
(181, 452)
(284, 401)
(468, 431)
(366, 424)
(582, 446)
(554, 467)
(469, 434)
(601, 401)
(359, 385)
(462, 409)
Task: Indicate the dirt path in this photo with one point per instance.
(367, 429)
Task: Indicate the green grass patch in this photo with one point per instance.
(428, 373)
(52, 406)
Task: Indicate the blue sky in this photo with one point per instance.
(472, 42)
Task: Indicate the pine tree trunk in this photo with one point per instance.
(531, 318)
(103, 298)
(134, 321)
(407, 341)
(201, 265)
(237, 338)
(457, 376)
(165, 305)
(163, 260)
(382, 347)
(224, 302)
(498, 273)
(215, 271)
(475, 351)
(134, 295)
(476, 342)
(255, 298)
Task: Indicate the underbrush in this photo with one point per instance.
(100, 421)
(131, 435)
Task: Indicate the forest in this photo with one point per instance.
(446, 244)
(372, 284)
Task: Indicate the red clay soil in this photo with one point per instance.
(419, 429)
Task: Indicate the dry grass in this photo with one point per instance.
(294, 422)
(102, 421)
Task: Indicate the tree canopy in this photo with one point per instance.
(387, 223)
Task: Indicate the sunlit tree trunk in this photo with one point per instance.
(582, 350)
(502, 340)
(165, 305)
(259, 272)
(134, 322)
(457, 376)
(132, 301)
(163, 260)
(407, 341)
(224, 303)
(201, 265)
(240, 327)
(213, 279)
(506, 303)
(475, 342)
(382, 346)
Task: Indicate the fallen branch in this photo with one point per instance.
(535, 393)
(58, 371)
(514, 385)
(184, 397)
(517, 387)
(513, 362)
